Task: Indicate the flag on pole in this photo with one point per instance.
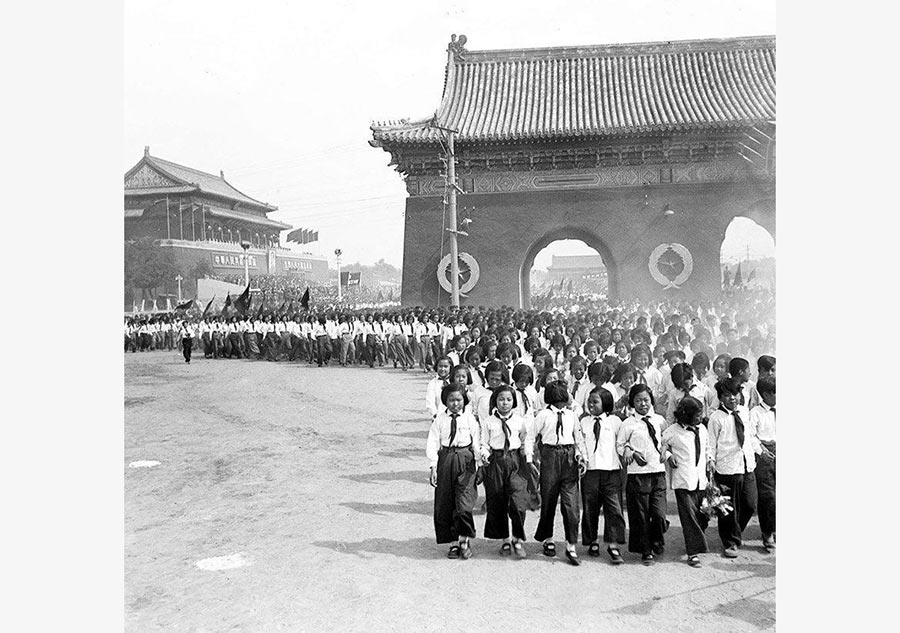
(304, 301)
(208, 306)
(738, 280)
(187, 305)
(242, 303)
(262, 303)
(227, 304)
(751, 276)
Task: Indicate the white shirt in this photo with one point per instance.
(545, 425)
(634, 433)
(688, 473)
(467, 432)
(492, 437)
(698, 390)
(729, 457)
(433, 402)
(601, 453)
(526, 403)
(763, 417)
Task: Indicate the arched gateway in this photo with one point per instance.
(646, 152)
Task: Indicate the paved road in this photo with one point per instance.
(292, 498)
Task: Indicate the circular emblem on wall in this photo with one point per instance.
(671, 265)
(468, 273)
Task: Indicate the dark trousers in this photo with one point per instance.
(504, 489)
(455, 495)
(186, 346)
(765, 485)
(425, 352)
(693, 522)
(559, 482)
(645, 497)
(602, 489)
(251, 344)
(206, 339)
(742, 490)
(321, 349)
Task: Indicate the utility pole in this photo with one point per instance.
(337, 255)
(451, 200)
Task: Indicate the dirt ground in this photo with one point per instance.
(315, 481)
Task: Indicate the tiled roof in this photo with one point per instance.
(247, 217)
(204, 182)
(596, 91)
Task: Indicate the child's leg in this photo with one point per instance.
(689, 513)
(568, 496)
(658, 523)
(444, 502)
(611, 495)
(550, 488)
(729, 530)
(465, 494)
(638, 504)
(591, 503)
(765, 484)
(749, 500)
(517, 494)
(495, 523)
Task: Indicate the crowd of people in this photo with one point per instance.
(276, 290)
(614, 400)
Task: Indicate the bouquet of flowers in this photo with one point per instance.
(714, 502)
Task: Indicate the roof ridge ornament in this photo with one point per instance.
(457, 46)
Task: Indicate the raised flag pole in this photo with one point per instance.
(179, 278)
(246, 245)
(337, 254)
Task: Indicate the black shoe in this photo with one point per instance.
(615, 556)
(573, 558)
(647, 559)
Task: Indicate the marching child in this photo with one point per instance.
(732, 451)
(526, 396)
(684, 453)
(463, 377)
(453, 442)
(505, 486)
(638, 444)
(601, 485)
(494, 375)
(762, 417)
(562, 462)
(576, 379)
(433, 390)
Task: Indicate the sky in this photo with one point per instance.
(280, 96)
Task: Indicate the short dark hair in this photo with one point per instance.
(496, 365)
(737, 365)
(464, 368)
(765, 362)
(453, 387)
(556, 392)
(700, 361)
(521, 371)
(606, 398)
(622, 369)
(639, 388)
(492, 404)
(680, 372)
(577, 360)
(687, 409)
(728, 385)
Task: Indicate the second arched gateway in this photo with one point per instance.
(632, 148)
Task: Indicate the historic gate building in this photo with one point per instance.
(646, 152)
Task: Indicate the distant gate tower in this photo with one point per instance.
(646, 152)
